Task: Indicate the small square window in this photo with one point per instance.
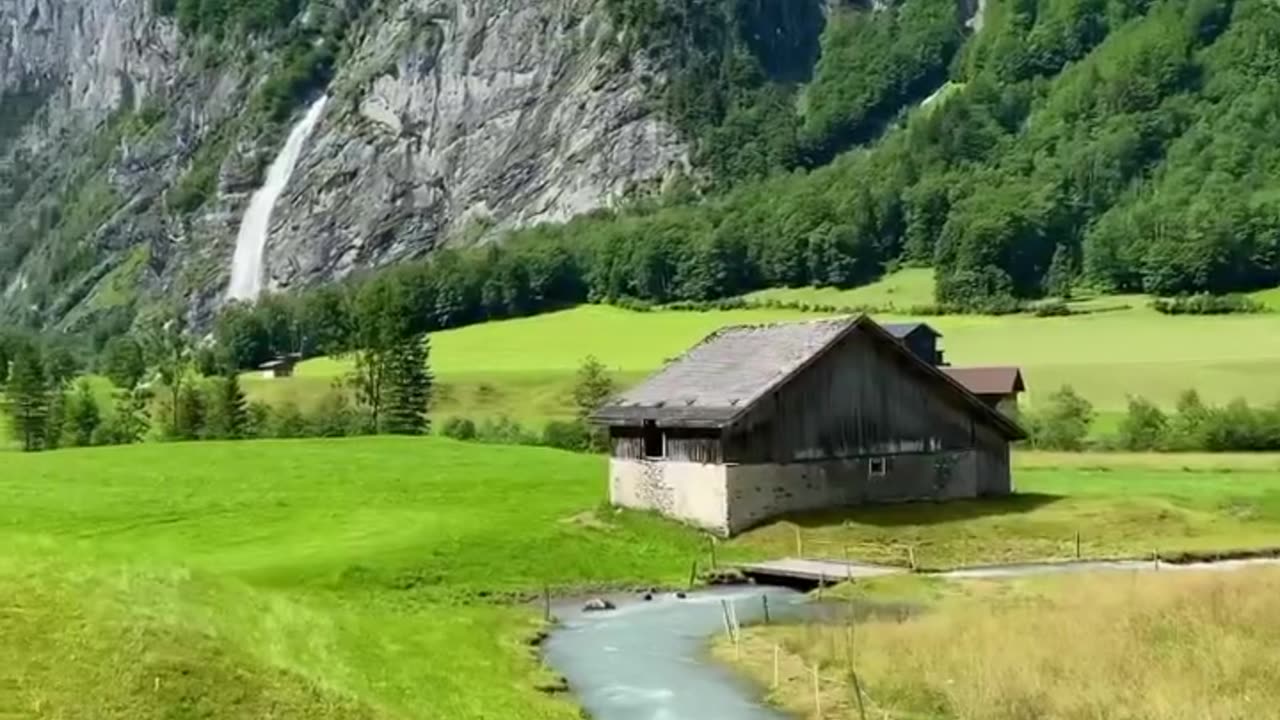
(877, 466)
(655, 441)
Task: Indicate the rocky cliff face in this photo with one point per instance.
(450, 120)
(460, 117)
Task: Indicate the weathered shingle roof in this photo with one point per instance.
(988, 380)
(726, 372)
(719, 379)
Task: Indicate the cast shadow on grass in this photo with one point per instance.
(925, 513)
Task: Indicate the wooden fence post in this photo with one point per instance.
(714, 564)
(776, 652)
(1077, 544)
(764, 599)
(817, 694)
(546, 602)
(911, 557)
(799, 543)
(693, 574)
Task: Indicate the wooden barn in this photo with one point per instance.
(758, 421)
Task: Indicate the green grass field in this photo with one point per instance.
(901, 291)
(524, 368)
(387, 578)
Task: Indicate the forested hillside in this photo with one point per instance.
(1134, 145)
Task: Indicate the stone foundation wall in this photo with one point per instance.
(727, 499)
(687, 491)
(757, 493)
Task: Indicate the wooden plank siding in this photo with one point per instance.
(682, 444)
(859, 399)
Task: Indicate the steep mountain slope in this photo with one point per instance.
(130, 140)
(1015, 145)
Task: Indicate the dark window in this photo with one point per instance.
(878, 466)
(655, 442)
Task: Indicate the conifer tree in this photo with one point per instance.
(409, 384)
(83, 416)
(27, 398)
(228, 416)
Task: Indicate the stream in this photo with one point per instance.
(649, 660)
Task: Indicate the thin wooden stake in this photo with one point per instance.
(853, 674)
(728, 626)
(799, 543)
(817, 694)
(764, 600)
(911, 557)
(776, 652)
(546, 602)
(1155, 555)
(1077, 544)
(693, 574)
(714, 564)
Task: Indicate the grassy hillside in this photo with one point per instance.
(383, 578)
(339, 579)
(525, 367)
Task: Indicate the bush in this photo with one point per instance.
(1055, 308)
(567, 435)
(334, 416)
(505, 431)
(287, 421)
(1063, 423)
(1205, 304)
(1144, 427)
(459, 428)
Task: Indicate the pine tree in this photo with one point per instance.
(1059, 278)
(55, 424)
(28, 398)
(592, 388)
(83, 416)
(189, 414)
(228, 416)
(409, 384)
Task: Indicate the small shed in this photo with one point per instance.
(920, 338)
(759, 421)
(281, 367)
(998, 387)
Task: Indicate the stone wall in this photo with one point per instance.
(727, 499)
(757, 493)
(687, 491)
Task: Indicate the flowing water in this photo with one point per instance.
(649, 660)
(251, 243)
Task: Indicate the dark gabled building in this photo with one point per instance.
(998, 387)
(758, 421)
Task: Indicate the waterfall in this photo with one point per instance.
(251, 243)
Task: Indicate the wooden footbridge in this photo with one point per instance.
(813, 572)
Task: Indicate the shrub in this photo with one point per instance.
(1055, 308)
(287, 421)
(567, 435)
(1205, 304)
(504, 431)
(1144, 427)
(1063, 423)
(459, 428)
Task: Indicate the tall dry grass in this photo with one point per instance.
(1169, 646)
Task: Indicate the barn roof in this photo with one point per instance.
(903, 330)
(989, 380)
(726, 374)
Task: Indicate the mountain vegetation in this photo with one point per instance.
(1123, 144)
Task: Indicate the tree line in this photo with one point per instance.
(1065, 419)
(165, 384)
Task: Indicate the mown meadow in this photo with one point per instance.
(524, 368)
(399, 578)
